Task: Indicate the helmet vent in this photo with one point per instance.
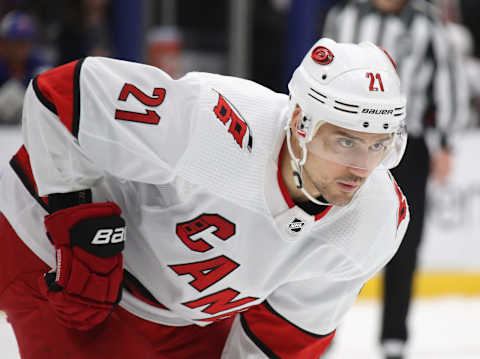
(398, 111)
(318, 93)
(345, 104)
(315, 95)
(344, 110)
(346, 107)
(316, 98)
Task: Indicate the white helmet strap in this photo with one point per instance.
(297, 165)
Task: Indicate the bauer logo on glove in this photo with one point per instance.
(107, 235)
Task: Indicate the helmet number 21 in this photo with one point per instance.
(373, 77)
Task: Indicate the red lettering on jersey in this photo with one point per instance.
(149, 117)
(222, 110)
(185, 231)
(402, 209)
(219, 301)
(155, 100)
(206, 273)
(209, 272)
(238, 127)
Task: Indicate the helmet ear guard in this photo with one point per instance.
(303, 126)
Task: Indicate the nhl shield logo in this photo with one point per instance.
(295, 226)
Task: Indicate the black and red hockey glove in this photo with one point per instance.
(86, 283)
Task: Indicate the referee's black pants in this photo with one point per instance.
(411, 175)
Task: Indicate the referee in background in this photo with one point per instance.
(411, 31)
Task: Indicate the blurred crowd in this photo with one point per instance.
(38, 34)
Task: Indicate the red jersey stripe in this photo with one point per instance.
(20, 163)
(59, 90)
(281, 183)
(279, 338)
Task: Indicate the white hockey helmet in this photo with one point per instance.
(351, 86)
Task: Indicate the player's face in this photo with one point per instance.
(337, 182)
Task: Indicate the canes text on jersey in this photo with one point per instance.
(210, 271)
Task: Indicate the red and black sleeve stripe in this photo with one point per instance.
(59, 91)
(20, 164)
(279, 338)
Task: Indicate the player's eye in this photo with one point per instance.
(377, 147)
(345, 142)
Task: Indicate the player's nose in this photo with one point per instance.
(359, 172)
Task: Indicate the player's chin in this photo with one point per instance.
(340, 198)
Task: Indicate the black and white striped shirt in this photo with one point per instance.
(417, 41)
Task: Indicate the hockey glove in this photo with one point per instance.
(86, 284)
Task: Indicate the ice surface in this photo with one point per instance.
(8, 343)
(444, 328)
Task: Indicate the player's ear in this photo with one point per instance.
(297, 112)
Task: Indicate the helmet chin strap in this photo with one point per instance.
(297, 165)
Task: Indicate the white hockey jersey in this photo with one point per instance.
(211, 229)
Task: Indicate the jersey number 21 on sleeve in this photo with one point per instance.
(149, 117)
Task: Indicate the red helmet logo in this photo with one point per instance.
(321, 55)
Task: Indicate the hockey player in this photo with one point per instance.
(205, 217)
